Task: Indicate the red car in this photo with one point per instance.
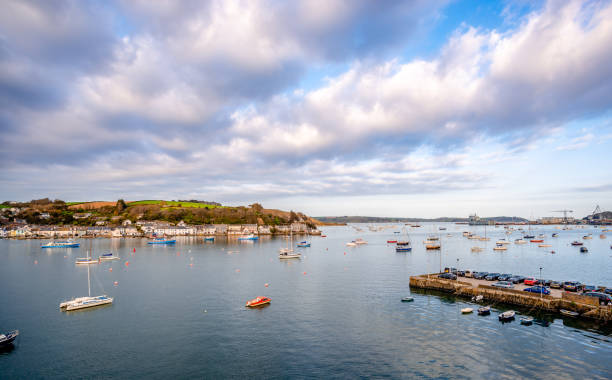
(531, 281)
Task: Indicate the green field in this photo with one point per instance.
(168, 204)
(74, 203)
(5, 206)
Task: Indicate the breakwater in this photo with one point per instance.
(587, 307)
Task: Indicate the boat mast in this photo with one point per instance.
(88, 280)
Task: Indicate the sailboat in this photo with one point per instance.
(88, 259)
(485, 238)
(288, 253)
(86, 302)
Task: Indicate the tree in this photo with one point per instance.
(120, 206)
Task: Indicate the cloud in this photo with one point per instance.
(205, 96)
(577, 142)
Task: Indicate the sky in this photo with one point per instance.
(384, 108)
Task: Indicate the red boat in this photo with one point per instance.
(259, 301)
(537, 240)
(391, 241)
(323, 235)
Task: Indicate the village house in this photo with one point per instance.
(45, 215)
(264, 230)
(126, 222)
(299, 227)
(84, 215)
(249, 229)
(220, 229)
(234, 230)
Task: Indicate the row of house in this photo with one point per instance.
(149, 228)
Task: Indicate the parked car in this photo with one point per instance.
(503, 284)
(491, 276)
(530, 281)
(556, 284)
(461, 273)
(588, 288)
(448, 276)
(480, 275)
(608, 291)
(516, 279)
(544, 282)
(571, 286)
(469, 273)
(504, 277)
(537, 289)
(604, 299)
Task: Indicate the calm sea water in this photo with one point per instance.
(336, 313)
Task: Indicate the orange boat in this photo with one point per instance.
(536, 240)
(259, 301)
(391, 241)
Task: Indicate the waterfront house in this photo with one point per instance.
(83, 215)
(220, 229)
(248, 229)
(234, 230)
(264, 230)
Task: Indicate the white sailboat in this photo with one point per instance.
(86, 302)
(288, 253)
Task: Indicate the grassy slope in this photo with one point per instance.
(168, 204)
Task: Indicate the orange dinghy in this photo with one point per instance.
(259, 301)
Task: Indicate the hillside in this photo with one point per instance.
(45, 211)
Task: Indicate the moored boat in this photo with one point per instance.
(162, 241)
(537, 240)
(466, 310)
(87, 302)
(507, 315)
(544, 245)
(500, 247)
(8, 338)
(407, 299)
(391, 241)
(520, 241)
(248, 237)
(575, 242)
(484, 310)
(259, 301)
(209, 238)
(303, 244)
(569, 313)
(108, 257)
(526, 321)
(584, 249)
(61, 244)
(86, 260)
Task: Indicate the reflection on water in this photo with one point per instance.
(179, 310)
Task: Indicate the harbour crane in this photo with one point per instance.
(565, 212)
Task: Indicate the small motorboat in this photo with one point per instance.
(403, 248)
(520, 241)
(162, 241)
(537, 240)
(477, 298)
(248, 237)
(554, 235)
(500, 247)
(407, 299)
(466, 310)
(323, 235)
(526, 321)
(288, 254)
(569, 313)
(391, 241)
(108, 257)
(477, 249)
(602, 236)
(86, 260)
(360, 242)
(507, 316)
(61, 244)
(209, 238)
(484, 310)
(575, 242)
(259, 301)
(587, 237)
(528, 236)
(8, 338)
(303, 244)
(351, 244)
(544, 245)
(432, 246)
(584, 249)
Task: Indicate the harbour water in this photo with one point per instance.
(179, 309)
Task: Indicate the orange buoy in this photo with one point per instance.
(127, 263)
(190, 264)
(134, 249)
(116, 283)
(304, 272)
(178, 253)
(110, 269)
(237, 270)
(35, 261)
(345, 253)
(266, 285)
